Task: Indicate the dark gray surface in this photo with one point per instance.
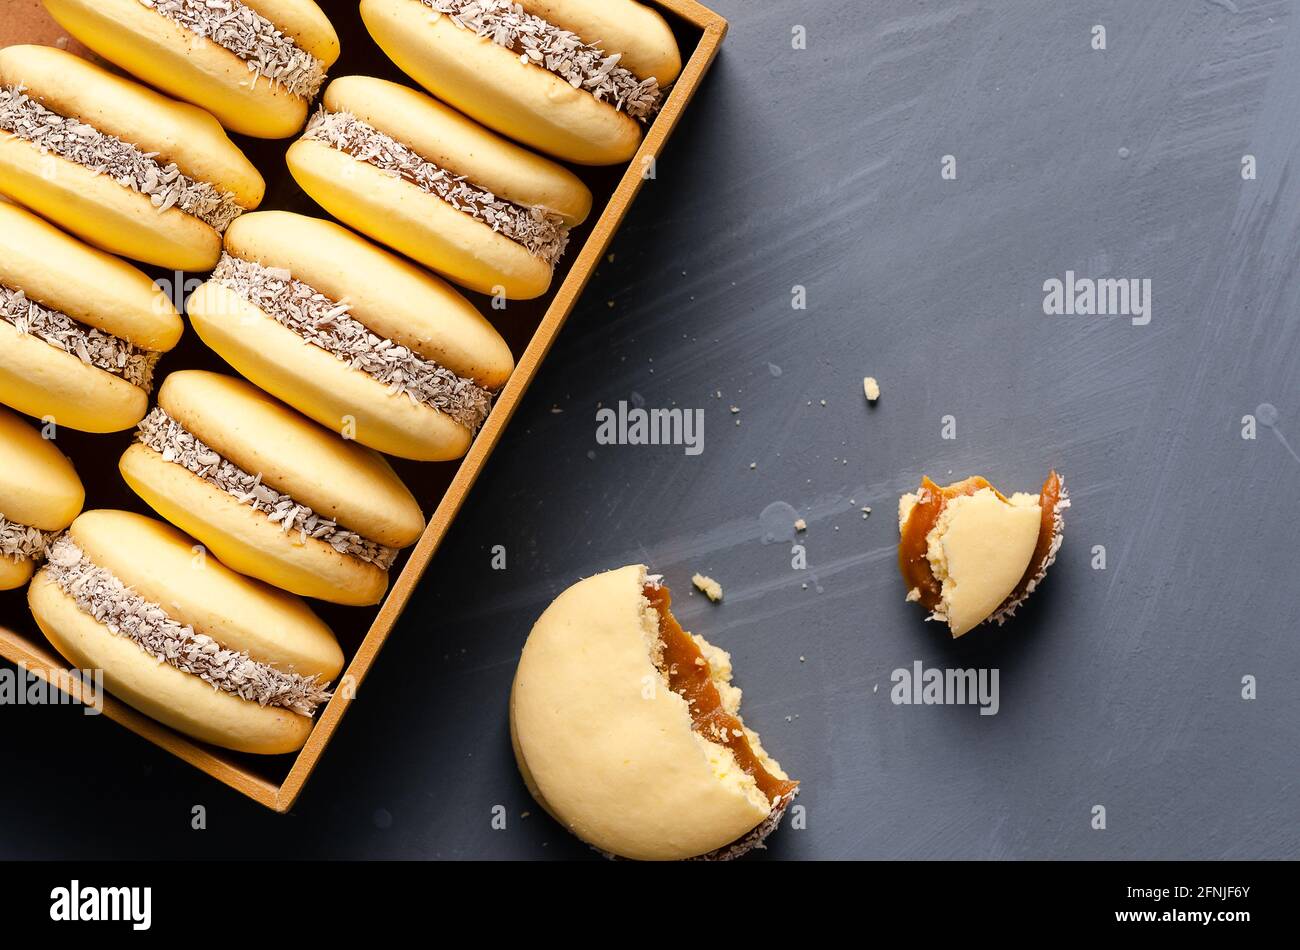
(820, 167)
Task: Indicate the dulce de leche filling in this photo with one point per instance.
(930, 502)
(688, 675)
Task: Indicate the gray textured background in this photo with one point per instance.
(821, 167)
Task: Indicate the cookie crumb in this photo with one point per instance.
(801, 525)
(914, 595)
(871, 388)
(709, 587)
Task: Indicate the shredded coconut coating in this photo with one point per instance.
(755, 838)
(250, 36)
(93, 347)
(176, 444)
(22, 542)
(540, 231)
(537, 41)
(101, 594)
(325, 323)
(750, 841)
(166, 186)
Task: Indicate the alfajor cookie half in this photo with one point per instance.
(970, 554)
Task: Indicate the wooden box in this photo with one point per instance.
(530, 328)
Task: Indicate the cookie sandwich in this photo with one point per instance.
(81, 331)
(627, 729)
(119, 165)
(40, 494)
(366, 344)
(272, 494)
(182, 638)
(970, 554)
(254, 64)
(577, 79)
(418, 176)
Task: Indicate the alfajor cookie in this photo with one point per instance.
(40, 494)
(271, 494)
(80, 331)
(182, 638)
(574, 78)
(365, 343)
(119, 165)
(627, 729)
(408, 171)
(254, 64)
(970, 555)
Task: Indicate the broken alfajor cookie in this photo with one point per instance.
(627, 729)
(970, 554)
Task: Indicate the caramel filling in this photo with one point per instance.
(930, 502)
(1049, 499)
(689, 676)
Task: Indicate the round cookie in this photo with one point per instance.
(610, 746)
(40, 494)
(80, 330)
(543, 77)
(418, 176)
(361, 341)
(254, 64)
(119, 165)
(209, 652)
(272, 494)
